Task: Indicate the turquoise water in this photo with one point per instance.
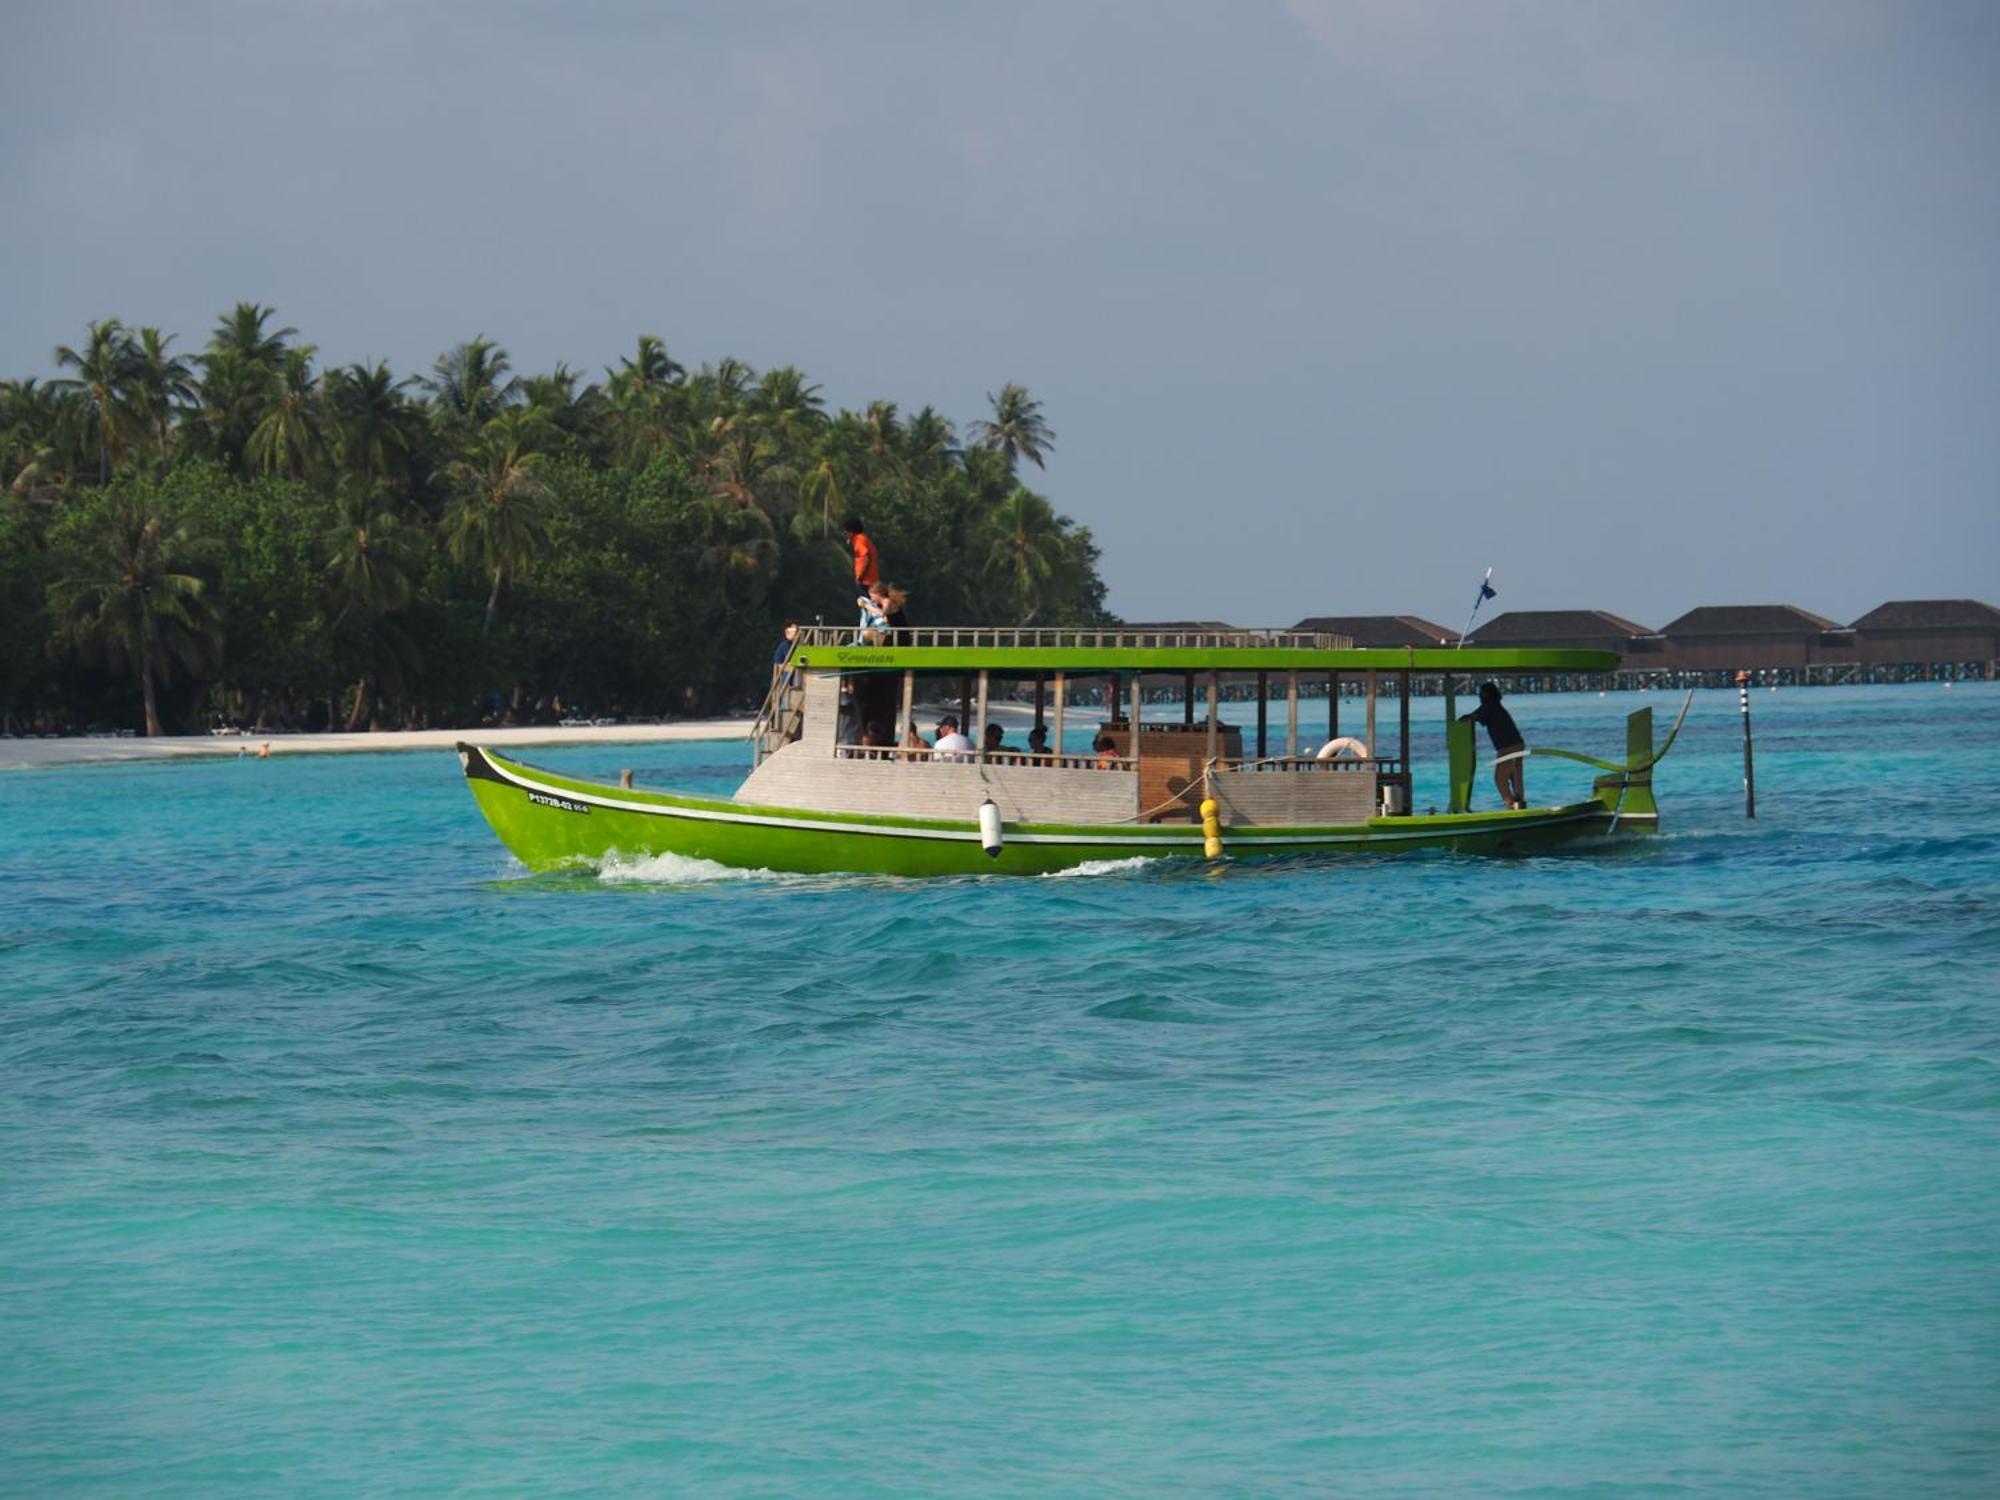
(341, 1157)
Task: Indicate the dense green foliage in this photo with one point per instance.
(240, 533)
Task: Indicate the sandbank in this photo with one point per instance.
(24, 754)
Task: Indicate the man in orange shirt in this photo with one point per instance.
(867, 561)
(867, 567)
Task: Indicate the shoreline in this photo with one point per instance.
(35, 754)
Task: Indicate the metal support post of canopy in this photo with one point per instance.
(1403, 691)
(1291, 716)
(1369, 684)
(1263, 715)
(1062, 696)
(979, 734)
(1212, 725)
(909, 723)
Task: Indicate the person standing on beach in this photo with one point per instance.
(1506, 737)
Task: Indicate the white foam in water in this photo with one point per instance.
(671, 869)
(1102, 867)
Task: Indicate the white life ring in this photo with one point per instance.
(1345, 744)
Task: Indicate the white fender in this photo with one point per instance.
(1345, 744)
(989, 828)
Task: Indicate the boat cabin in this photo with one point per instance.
(835, 731)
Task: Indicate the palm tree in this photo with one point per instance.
(787, 404)
(821, 483)
(372, 561)
(374, 428)
(241, 331)
(291, 438)
(741, 548)
(471, 385)
(652, 367)
(1018, 429)
(41, 433)
(242, 377)
(930, 443)
(164, 382)
(107, 379)
(135, 603)
(499, 514)
(1026, 554)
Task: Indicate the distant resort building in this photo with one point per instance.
(1905, 640)
(1726, 637)
(1570, 629)
(1375, 632)
(1915, 632)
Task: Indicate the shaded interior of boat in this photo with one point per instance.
(835, 729)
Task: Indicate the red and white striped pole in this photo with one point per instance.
(1749, 770)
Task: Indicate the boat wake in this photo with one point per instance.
(1102, 867)
(672, 869)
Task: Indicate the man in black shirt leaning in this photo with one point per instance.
(1506, 737)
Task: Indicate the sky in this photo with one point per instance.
(1332, 304)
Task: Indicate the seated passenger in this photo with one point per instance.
(1107, 752)
(1038, 741)
(874, 629)
(913, 740)
(950, 745)
(996, 740)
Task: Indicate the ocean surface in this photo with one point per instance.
(339, 1156)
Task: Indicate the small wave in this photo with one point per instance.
(1102, 867)
(671, 869)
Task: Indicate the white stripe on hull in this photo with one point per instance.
(1238, 838)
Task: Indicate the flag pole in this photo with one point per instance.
(1486, 591)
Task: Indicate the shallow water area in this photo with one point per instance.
(345, 1156)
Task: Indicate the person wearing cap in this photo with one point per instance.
(950, 744)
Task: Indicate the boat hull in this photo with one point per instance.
(550, 821)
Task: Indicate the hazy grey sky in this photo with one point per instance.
(1332, 303)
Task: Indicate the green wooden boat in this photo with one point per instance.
(839, 784)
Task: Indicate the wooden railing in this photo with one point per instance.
(1068, 638)
(986, 758)
(1387, 766)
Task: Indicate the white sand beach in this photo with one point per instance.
(24, 754)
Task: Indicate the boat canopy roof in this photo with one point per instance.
(1008, 650)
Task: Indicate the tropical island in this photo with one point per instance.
(243, 536)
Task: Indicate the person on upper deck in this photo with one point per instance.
(996, 740)
(867, 561)
(1107, 752)
(874, 628)
(1506, 738)
(1038, 740)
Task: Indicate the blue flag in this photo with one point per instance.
(1486, 591)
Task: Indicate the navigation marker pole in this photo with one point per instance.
(1749, 769)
